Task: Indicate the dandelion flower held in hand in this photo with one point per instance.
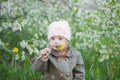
(60, 47)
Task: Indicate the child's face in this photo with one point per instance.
(58, 43)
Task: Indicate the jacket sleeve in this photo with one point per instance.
(39, 65)
(79, 70)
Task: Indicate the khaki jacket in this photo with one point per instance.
(70, 67)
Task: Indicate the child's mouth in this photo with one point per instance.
(57, 46)
(60, 47)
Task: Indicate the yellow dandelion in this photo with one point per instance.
(61, 47)
(15, 50)
(6, 44)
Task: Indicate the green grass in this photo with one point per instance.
(18, 72)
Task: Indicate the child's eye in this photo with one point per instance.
(52, 38)
(60, 38)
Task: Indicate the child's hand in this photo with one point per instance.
(44, 54)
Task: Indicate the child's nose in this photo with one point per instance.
(56, 41)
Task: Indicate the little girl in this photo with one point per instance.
(59, 61)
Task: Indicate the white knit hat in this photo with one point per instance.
(61, 28)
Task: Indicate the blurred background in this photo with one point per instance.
(95, 28)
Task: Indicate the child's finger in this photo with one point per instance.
(46, 50)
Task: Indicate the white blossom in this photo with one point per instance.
(16, 26)
(17, 57)
(24, 44)
(104, 57)
(36, 35)
(1, 43)
(23, 56)
(6, 25)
